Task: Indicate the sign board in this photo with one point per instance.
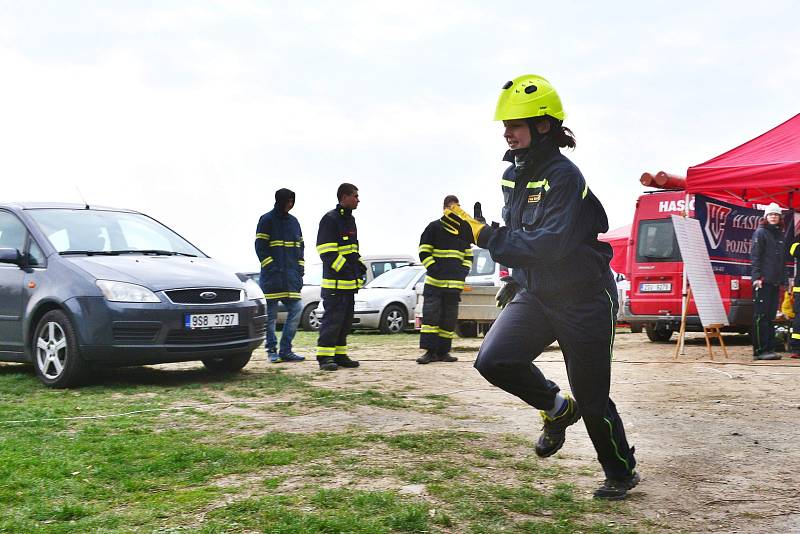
(698, 269)
(728, 231)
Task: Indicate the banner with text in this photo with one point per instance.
(728, 233)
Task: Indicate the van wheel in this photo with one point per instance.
(56, 355)
(658, 333)
(227, 364)
(467, 329)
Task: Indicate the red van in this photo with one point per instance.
(656, 270)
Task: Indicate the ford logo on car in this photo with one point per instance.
(208, 295)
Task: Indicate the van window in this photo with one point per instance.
(482, 262)
(656, 242)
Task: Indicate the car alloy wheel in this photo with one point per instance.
(51, 350)
(393, 320)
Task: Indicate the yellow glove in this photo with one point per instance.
(473, 226)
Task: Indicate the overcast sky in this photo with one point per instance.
(196, 112)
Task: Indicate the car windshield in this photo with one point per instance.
(313, 276)
(396, 278)
(81, 231)
(482, 262)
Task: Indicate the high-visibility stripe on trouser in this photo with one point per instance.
(446, 335)
(325, 352)
(341, 350)
(439, 312)
(336, 322)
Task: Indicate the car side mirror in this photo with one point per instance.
(10, 255)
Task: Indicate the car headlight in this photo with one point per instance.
(125, 292)
(360, 305)
(252, 291)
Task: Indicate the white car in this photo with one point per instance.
(485, 271)
(387, 303)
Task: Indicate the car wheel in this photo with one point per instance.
(227, 364)
(467, 329)
(56, 356)
(393, 319)
(658, 333)
(309, 319)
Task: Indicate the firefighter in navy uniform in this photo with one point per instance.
(562, 287)
(448, 259)
(343, 274)
(794, 344)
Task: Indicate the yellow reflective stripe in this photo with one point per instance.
(455, 284)
(348, 249)
(428, 261)
(585, 191)
(338, 263)
(341, 350)
(796, 289)
(507, 183)
(282, 295)
(360, 283)
(450, 228)
(428, 329)
(793, 248)
(448, 253)
(325, 351)
(327, 247)
(294, 295)
(467, 263)
(426, 248)
(276, 243)
(445, 334)
(539, 183)
(796, 335)
(328, 283)
(468, 252)
(262, 236)
(266, 261)
(301, 262)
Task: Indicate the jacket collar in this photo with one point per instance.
(343, 212)
(531, 157)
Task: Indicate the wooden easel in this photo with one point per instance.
(682, 332)
(713, 331)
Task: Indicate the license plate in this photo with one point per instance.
(211, 320)
(655, 288)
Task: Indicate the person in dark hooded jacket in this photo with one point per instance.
(279, 246)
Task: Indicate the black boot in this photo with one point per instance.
(428, 357)
(326, 363)
(616, 489)
(446, 357)
(342, 360)
(554, 429)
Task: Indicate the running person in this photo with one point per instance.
(562, 288)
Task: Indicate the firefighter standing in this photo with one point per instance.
(794, 344)
(448, 259)
(342, 275)
(279, 246)
(768, 257)
(562, 287)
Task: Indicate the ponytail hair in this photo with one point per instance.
(563, 136)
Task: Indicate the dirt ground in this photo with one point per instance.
(717, 441)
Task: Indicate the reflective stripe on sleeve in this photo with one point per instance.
(328, 283)
(327, 247)
(453, 284)
(338, 263)
(266, 261)
(262, 236)
(793, 248)
(428, 261)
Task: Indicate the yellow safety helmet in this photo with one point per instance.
(528, 96)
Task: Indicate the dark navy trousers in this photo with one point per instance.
(765, 306)
(336, 323)
(584, 326)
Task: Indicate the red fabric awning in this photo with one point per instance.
(618, 239)
(763, 170)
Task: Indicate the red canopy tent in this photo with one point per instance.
(618, 239)
(763, 170)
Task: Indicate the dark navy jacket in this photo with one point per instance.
(446, 256)
(552, 221)
(768, 255)
(337, 245)
(279, 246)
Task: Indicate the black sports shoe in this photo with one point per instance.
(326, 363)
(446, 358)
(342, 360)
(614, 489)
(554, 429)
(428, 357)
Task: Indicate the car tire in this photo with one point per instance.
(467, 329)
(56, 354)
(394, 319)
(309, 320)
(658, 333)
(227, 364)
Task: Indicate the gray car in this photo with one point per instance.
(81, 286)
